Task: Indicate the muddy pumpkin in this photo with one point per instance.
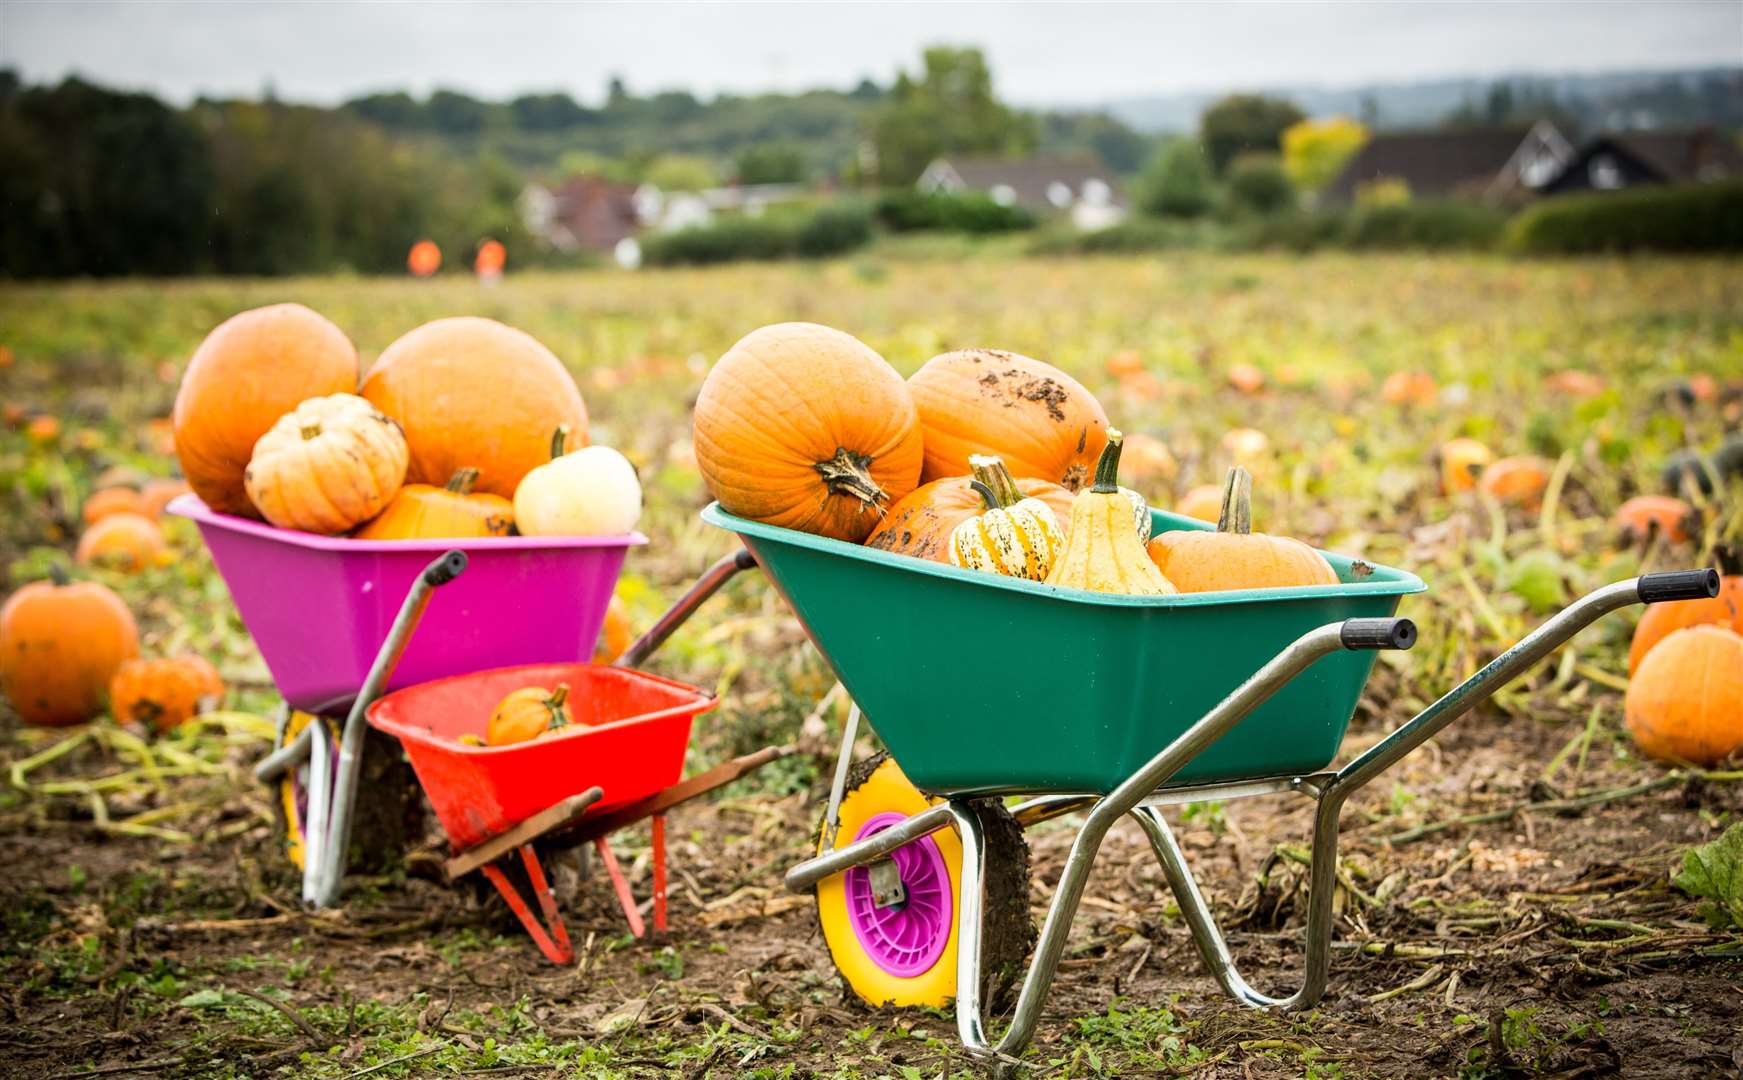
(161, 695)
(921, 524)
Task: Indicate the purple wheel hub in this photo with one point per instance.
(907, 938)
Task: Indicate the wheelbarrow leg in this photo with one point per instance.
(555, 944)
(625, 898)
(658, 828)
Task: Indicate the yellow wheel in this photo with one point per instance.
(387, 806)
(293, 791)
(899, 948)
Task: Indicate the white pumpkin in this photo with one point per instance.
(591, 492)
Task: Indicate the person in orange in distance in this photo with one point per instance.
(425, 258)
(491, 257)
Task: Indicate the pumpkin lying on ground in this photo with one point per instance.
(526, 714)
(1234, 556)
(424, 511)
(1204, 502)
(590, 492)
(164, 694)
(1685, 703)
(807, 428)
(251, 370)
(1661, 620)
(1461, 461)
(327, 465)
(112, 500)
(1519, 481)
(473, 393)
(1409, 388)
(1012, 535)
(1102, 551)
(124, 541)
(1644, 515)
(1039, 420)
(156, 494)
(615, 634)
(60, 645)
(921, 524)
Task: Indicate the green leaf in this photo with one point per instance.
(1536, 578)
(1714, 872)
(203, 999)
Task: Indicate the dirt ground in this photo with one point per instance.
(1545, 944)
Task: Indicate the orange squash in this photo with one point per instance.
(473, 393)
(327, 465)
(60, 645)
(1409, 388)
(1204, 502)
(1662, 620)
(1686, 701)
(615, 635)
(1638, 518)
(1461, 462)
(1519, 481)
(126, 541)
(1235, 557)
(422, 511)
(526, 714)
(1039, 420)
(807, 428)
(112, 500)
(251, 370)
(921, 524)
(164, 694)
(157, 494)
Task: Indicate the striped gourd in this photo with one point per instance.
(1013, 536)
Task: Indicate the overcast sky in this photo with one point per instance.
(1040, 53)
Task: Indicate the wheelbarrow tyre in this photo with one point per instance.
(387, 817)
(908, 957)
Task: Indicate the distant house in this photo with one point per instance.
(1491, 165)
(1627, 159)
(669, 211)
(582, 213)
(1077, 187)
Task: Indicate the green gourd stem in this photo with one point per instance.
(462, 481)
(1237, 512)
(558, 439)
(1107, 469)
(559, 717)
(990, 470)
(986, 494)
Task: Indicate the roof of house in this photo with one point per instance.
(1028, 178)
(595, 211)
(1691, 154)
(1431, 162)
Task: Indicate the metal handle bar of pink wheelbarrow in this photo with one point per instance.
(1330, 791)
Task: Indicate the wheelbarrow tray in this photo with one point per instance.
(319, 607)
(981, 684)
(629, 737)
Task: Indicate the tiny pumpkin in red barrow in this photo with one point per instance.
(526, 714)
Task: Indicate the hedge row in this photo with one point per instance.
(828, 230)
(1701, 217)
(1435, 226)
(966, 212)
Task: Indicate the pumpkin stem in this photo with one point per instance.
(559, 717)
(311, 430)
(990, 470)
(986, 494)
(1237, 513)
(1107, 469)
(462, 480)
(58, 574)
(847, 473)
(558, 438)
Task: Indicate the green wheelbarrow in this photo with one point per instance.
(983, 686)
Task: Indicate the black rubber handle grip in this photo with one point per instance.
(1378, 633)
(745, 560)
(445, 569)
(1679, 585)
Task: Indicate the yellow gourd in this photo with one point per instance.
(1013, 536)
(1102, 550)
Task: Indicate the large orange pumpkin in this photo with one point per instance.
(806, 427)
(1686, 701)
(920, 525)
(1640, 517)
(1040, 420)
(60, 645)
(473, 393)
(126, 541)
(251, 370)
(164, 694)
(1661, 620)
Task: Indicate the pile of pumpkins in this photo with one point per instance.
(1685, 674)
(463, 428)
(986, 459)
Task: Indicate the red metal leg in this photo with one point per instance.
(624, 898)
(557, 952)
(659, 830)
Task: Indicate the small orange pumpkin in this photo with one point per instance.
(526, 714)
(43, 430)
(1685, 703)
(1574, 383)
(921, 524)
(127, 541)
(423, 511)
(1517, 480)
(615, 635)
(1638, 518)
(1461, 462)
(164, 694)
(60, 645)
(112, 500)
(1147, 460)
(1662, 620)
(1246, 378)
(1125, 363)
(1409, 388)
(157, 494)
(1039, 420)
(1204, 502)
(807, 428)
(1235, 557)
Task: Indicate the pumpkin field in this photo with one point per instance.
(1551, 887)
